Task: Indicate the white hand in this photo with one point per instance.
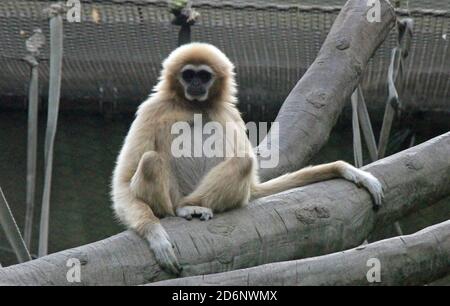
(163, 249)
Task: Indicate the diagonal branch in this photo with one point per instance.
(313, 106)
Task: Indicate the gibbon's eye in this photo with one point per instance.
(188, 75)
(204, 76)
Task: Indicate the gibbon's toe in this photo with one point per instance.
(373, 185)
(188, 212)
(206, 215)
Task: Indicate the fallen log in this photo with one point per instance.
(310, 221)
(405, 260)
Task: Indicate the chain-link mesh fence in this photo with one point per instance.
(114, 54)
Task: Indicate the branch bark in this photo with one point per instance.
(310, 221)
(313, 106)
(405, 260)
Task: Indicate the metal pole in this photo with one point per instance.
(185, 17)
(357, 145)
(56, 55)
(33, 44)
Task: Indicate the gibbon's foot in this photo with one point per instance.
(188, 212)
(367, 180)
(163, 249)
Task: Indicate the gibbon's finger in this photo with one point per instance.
(206, 215)
(163, 249)
(172, 258)
(165, 256)
(173, 263)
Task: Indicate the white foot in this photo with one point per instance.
(188, 212)
(366, 179)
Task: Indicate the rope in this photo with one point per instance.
(12, 230)
(357, 146)
(360, 114)
(395, 73)
(361, 120)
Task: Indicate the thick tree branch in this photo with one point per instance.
(405, 260)
(313, 106)
(313, 220)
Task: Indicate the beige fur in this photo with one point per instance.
(149, 183)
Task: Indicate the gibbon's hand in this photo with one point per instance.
(367, 180)
(163, 250)
(188, 212)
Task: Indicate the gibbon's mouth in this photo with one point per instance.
(199, 98)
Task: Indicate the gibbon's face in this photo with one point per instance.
(199, 74)
(196, 81)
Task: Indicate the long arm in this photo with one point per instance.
(140, 190)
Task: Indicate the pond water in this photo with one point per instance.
(85, 151)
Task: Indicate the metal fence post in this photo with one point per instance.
(56, 54)
(33, 44)
(185, 17)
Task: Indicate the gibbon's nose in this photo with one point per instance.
(196, 91)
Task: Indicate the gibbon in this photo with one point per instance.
(150, 183)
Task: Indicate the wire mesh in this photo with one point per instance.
(115, 52)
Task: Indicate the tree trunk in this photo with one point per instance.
(405, 260)
(313, 106)
(313, 220)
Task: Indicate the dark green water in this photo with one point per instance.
(85, 151)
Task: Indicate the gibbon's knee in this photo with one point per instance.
(150, 183)
(244, 165)
(150, 165)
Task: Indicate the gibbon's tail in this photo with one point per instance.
(298, 178)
